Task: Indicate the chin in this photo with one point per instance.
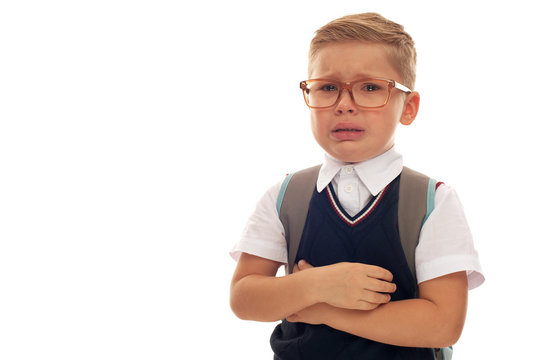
(353, 153)
(349, 158)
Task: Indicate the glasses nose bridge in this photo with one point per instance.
(346, 86)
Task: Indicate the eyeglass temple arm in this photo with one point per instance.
(401, 87)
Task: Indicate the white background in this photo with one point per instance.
(136, 136)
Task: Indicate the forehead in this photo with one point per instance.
(351, 60)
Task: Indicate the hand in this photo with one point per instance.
(351, 285)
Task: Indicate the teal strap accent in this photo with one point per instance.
(447, 353)
(430, 195)
(282, 192)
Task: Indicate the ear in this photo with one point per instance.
(411, 107)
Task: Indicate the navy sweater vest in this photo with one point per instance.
(330, 236)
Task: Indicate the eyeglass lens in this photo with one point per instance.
(369, 93)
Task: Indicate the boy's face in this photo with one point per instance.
(371, 130)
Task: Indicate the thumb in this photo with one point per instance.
(292, 318)
(303, 265)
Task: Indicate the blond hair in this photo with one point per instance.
(373, 28)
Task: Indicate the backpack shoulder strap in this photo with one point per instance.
(292, 205)
(416, 202)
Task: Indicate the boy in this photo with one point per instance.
(351, 294)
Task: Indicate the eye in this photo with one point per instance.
(370, 87)
(328, 87)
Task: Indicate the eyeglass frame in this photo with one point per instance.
(349, 86)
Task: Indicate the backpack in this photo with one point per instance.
(416, 202)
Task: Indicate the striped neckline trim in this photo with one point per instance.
(359, 217)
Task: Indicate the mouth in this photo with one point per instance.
(342, 132)
(346, 126)
(346, 130)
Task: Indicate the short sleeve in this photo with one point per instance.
(263, 234)
(446, 243)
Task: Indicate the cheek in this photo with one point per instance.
(390, 118)
(315, 123)
(395, 108)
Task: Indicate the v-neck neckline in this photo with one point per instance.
(359, 217)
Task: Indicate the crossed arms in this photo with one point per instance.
(354, 298)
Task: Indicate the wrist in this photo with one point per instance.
(308, 284)
(316, 284)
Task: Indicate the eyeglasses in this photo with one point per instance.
(366, 93)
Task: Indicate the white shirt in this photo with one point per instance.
(445, 242)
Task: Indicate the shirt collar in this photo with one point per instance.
(375, 173)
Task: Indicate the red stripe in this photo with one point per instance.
(355, 222)
(338, 212)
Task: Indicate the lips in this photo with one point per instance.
(347, 131)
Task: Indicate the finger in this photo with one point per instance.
(303, 265)
(364, 305)
(292, 318)
(377, 272)
(380, 286)
(374, 297)
(296, 268)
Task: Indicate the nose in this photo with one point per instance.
(346, 105)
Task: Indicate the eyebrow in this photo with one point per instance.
(357, 77)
